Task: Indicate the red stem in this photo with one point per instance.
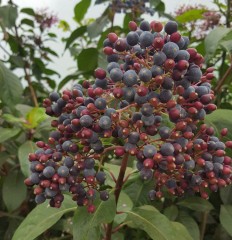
(117, 191)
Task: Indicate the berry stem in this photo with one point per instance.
(117, 191)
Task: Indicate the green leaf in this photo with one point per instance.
(12, 119)
(36, 116)
(7, 133)
(196, 204)
(8, 15)
(14, 191)
(74, 35)
(48, 71)
(41, 218)
(155, 224)
(181, 231)
(81, 9)
(87, 59)
(49, 50)
(96, 28)
(64, 25)
(11, 89)
(226, 217)
(139, 197)
(73, 76)
(171, 212)
(226, 194)
(219, 120)
(126, 20)
(124, 204)
(191, 15)
(190, 224)
(28, 11)
(28, 22)
(17, 61)
(86, 226)
(23, 151)
(213, 39)
(154, 3)
(226, 42)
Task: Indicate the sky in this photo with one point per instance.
(64, 10)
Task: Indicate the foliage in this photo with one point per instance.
(26, 78)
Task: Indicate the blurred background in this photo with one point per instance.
(48, 45)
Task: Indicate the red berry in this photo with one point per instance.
(108, 50)
(158, 43)
(100, 73)
(156, 26)
(112, 37)
(175, 37)
(132, 26)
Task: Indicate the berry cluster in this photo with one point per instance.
(152, 101)
(136, 7)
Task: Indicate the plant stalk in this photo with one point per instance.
(27, 75)
(117, 191)
(203, 225)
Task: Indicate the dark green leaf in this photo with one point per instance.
(73, 76)
(17, 61)
(181, 231)
(190, 224)
(28, 22)
(74, 35)
(28, 11)
(87, 59)
(23, 151)
(8, 15)
(48, 71)
(155, 224)
(219, 119)
(126, 20)
(49, 50)
(124, 204)
(50, 82)
(7, 133)
(226, 194)
(81, 9)
(171, 212)
(191, 15)
(86, 226)
(196, 204)
(11, 89)
(52, 35)
(160, 8)
(154, 3)
(14, 190)
(41, 218)
(226, 217)
(140, 196)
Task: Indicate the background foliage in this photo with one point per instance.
(26, 78)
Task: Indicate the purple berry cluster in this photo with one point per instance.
(151, 102)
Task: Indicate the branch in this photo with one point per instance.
(118, 189)
(223, 79)
(27, 75)
(203, 224)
